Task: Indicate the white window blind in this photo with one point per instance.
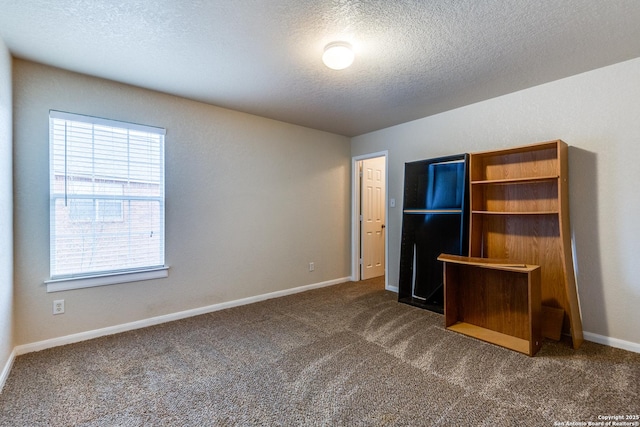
(106, 196)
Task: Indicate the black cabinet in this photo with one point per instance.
(434, 220)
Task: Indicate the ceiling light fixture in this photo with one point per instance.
(338, 55)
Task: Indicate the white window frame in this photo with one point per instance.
(112, 276)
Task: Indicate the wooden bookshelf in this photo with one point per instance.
(520, 211)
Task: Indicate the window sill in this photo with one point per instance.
(57, 285)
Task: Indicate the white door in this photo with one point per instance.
(372, 209)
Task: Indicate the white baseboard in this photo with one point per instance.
(612, 342)
(7, 369)
(110, 330)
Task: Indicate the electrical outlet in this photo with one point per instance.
(312, 266)
(58, 306)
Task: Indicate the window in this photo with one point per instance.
(106, 201)
(81, 210)
(109, 211)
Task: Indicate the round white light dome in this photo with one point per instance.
(338, 55)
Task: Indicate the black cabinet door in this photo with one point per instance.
(434, 222)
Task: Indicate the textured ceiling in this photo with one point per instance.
(414, 58)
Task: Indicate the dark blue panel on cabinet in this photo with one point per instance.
(446, 185)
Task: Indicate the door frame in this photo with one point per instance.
(355, 216)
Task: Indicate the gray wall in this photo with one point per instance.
(249, 203)
(598, 115)
(6, 210)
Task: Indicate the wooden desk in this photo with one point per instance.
(494, 300)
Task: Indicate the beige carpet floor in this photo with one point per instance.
(345, 355)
